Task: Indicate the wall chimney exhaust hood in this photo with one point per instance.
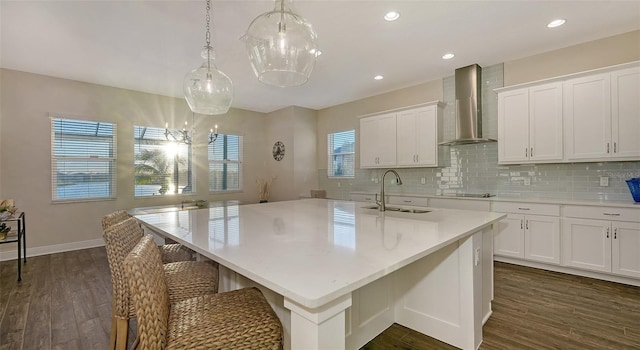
(468, 107)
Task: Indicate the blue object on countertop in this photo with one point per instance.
(634, 187)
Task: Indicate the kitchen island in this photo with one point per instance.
(337, 274)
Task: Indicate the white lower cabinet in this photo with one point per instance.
(528, 236)
(542, 239)
(508, 239)
(604, 246)
(625, 249)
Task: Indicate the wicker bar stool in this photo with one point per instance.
(185, 279)
(169, 252)
(240, 319)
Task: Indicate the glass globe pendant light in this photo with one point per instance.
(282, 46)
(207, 89)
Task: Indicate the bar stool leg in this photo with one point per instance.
(114, 329)
(122, 333)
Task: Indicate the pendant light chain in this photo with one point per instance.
(209, 48)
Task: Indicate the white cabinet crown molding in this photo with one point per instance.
(400, 109)
(607, 69)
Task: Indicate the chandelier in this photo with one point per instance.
(185, 135)
(282, 46)
(207, 89)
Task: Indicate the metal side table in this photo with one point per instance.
(18, 234)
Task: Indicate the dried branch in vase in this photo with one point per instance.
(264, 188)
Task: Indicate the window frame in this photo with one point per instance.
(111, 160)
(330, 154)
(224, 162)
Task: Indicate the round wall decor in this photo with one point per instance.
(278, 151)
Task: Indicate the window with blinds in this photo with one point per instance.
(341, 154)
(161, 167)
(83, 160)
(225, 163)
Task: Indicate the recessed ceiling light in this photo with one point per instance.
(448, 56)
(378, 77)
(556, 23)
(391, 16)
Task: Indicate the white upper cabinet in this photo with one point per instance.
(378, 141)
(530, 124)
(417, 137)
(584, 117)
(513, 126)
(602, 116)
(403, 138)
(587, 106)
(625, 113)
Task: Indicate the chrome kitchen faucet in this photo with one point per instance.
(381, 204)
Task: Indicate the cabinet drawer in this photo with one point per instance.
(361, 197)
(526, 208)
(405, 200)
(463, 204)
(602, 213)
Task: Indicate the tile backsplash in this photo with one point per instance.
(475, 169)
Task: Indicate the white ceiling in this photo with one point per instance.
(150, 45)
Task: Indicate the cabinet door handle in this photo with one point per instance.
(615, 147)
(524, 209)
(417, 158)
(407, 201)
(526, 223)
(607, 147)
(521, 224)
(607, 232)
(531, 151)
(612, 214)
(615, 233)
(526, 153)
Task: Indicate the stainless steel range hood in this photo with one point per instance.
(468, 107)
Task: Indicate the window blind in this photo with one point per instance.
(225, 163)
(341, 154)
(83, 160)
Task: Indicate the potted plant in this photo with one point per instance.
(4, 230)
(7, 209)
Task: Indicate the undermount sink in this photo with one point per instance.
(402, 210)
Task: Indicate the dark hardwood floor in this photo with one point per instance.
(64, 302)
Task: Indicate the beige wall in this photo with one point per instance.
(27, 99)
(296, 173)
(583, 57)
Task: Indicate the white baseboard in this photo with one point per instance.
(570, 270)
(51, 249)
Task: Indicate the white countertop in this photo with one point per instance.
(313, 251)
(513, 198)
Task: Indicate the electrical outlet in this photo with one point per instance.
(604, 181)
(527, 181)
(422, 180)
(376, 180)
